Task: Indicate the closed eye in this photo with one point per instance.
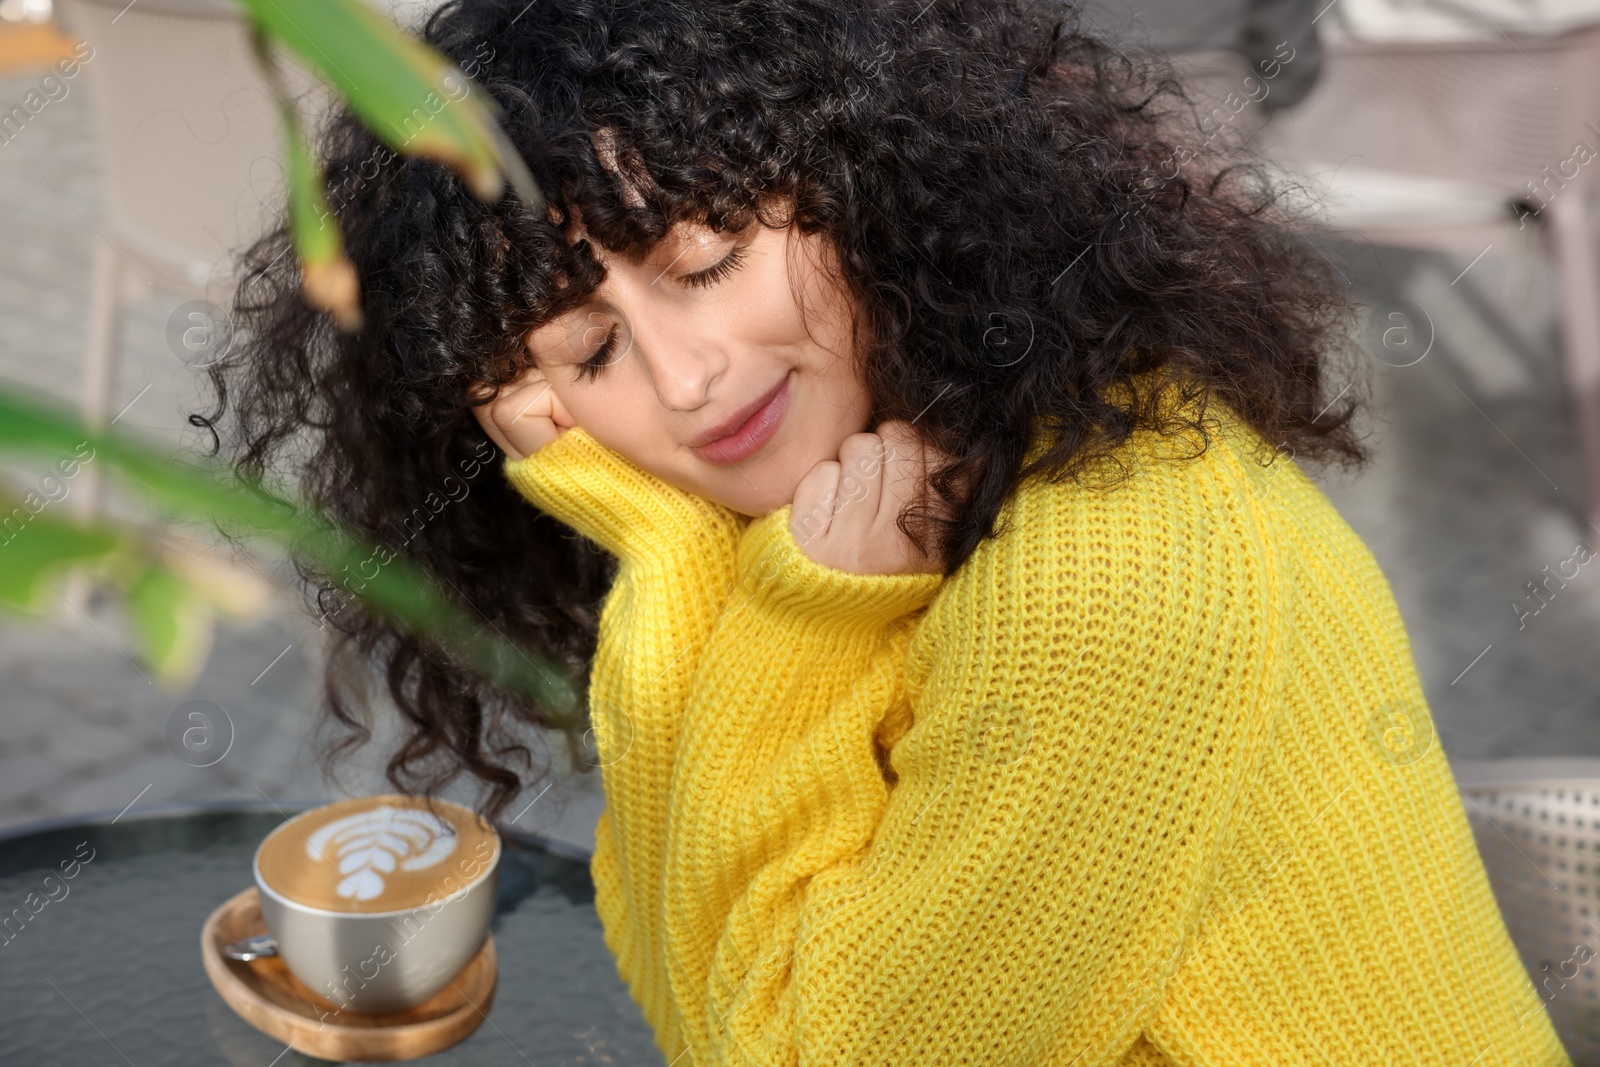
(591, 367)
(718, 271)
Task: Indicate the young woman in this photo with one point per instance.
(977, 678)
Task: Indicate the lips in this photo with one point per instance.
(748, 430)
(728, 427)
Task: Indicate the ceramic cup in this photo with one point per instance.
(390, 960)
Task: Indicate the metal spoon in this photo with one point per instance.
(251, 948)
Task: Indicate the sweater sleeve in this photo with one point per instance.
(676, 565)
(1068, 728)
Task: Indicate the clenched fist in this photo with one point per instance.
(845, 511)
(524, 416)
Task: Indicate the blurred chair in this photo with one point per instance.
(1253, 32)
(1537, 823)
(190, 144)
(1460, 144)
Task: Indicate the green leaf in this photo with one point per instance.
(33, 548)
(309, 215)
(329, 279)
(405, 91)
(174, 624)
(180, 490)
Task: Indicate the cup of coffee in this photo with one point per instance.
(377, 902)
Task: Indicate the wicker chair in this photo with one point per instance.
(1537, 823)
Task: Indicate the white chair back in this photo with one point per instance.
(190, 146)
(1489, 111)
(189, 134)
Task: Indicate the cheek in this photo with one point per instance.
(590, 404)
(782, 299)
(766, 313)
(616, 409)
(828, 309)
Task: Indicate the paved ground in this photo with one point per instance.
(1474, 492)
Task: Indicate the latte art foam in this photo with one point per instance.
(371, 854)
(370, 844)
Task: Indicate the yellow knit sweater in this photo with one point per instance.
(1150, 780)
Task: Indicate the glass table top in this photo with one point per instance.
(104, 967)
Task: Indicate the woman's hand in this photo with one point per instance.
(524, 416)
(845, 511)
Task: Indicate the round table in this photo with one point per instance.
(104, 967)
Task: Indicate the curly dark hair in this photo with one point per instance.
(1006, 199)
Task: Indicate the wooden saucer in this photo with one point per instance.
(267, 996)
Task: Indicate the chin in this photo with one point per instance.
(754, 509)
(756, 502)
(765, 484)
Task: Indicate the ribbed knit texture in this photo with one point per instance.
(1129, 788)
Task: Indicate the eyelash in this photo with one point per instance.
(591, 367)
(712, 275)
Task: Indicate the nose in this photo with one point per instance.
(681, 359)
